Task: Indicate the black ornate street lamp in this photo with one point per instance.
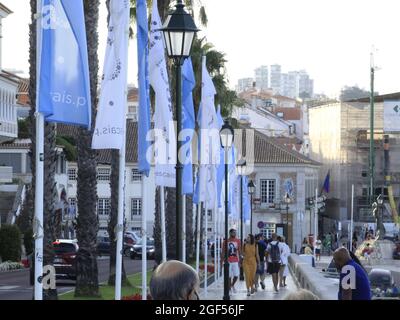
(179, 31)
(227, 136)
(241, 168)
(251, 187)
(287, 201)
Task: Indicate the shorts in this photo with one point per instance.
(234, 269)
(273, 267)
(317, 251)
(261, 268)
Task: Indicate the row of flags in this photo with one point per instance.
(64, 97)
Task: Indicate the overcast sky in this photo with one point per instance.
(331, 39)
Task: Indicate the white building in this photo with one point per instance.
(244, 84)
(275, 79)
(261, 76)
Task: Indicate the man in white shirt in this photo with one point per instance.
(284, 269)
(318, 246)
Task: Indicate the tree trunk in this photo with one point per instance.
(88, 224)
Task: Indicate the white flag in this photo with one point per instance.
(109, 132)
(209, 139)
(164, 133)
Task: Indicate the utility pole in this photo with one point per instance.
(371, 135)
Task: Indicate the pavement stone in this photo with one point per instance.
(215, 290)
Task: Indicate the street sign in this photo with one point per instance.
(391, 116)
(260, 225)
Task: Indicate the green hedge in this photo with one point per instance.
(10, 243)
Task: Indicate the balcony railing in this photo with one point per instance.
(8, 130)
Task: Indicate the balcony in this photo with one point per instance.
(8, 116)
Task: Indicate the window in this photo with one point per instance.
(136, 207)
(103, 207)
(72, 206)
(136, 175)
(364, 174)
(209, 229)
(268, 230)
(103, 174)
(136, 229)
(72, 174)
(267, 191)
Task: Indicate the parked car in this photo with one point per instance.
(380, 278)
(64, 260)
(104, 246)
(135, 236)
(136, 250)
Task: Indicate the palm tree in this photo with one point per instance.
(87, 222)
(50, 190)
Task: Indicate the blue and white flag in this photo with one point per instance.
(110, 127)
(63, 81)
(164, 131)
(246, 199)
(232, 185)
(209, 139)
(221, 165)
(188, 124)
(144, 93)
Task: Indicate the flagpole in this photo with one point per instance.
(163, 233)
(198, 237)
(206, 249)
(315, 219)
(352, 217)
(39, 170)
(144, 241)
(184, 229)
(215, 215)
(120, 223)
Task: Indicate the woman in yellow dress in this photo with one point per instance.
(250, 261)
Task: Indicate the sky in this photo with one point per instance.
(330, 39)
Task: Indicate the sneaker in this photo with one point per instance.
(252, 290)
(248, 293)
(262, 285)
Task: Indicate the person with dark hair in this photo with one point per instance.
(233, 258)
(260, 273)
(174, 280)
(273, 254)
(251, 259)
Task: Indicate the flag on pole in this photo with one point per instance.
(110, 127)
(221, 165)
(246, 199)
(64, 82)
(188, 124)
(209, 137)
(143, 80)
(326, 186)
(232, 183)
(165, 138)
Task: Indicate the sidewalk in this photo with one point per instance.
(216, 290)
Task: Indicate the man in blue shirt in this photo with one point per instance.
(354, 282)
(260, 273)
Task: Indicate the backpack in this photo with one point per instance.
(275, 253)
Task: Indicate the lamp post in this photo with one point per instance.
(287, 201)
(251, 188)
(227, 136)
(179, 31)
(241, 167)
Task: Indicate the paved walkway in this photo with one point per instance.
(215, 291)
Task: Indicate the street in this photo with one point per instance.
(14, 285)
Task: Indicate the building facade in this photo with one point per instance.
(261, 77)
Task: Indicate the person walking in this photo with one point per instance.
(284, 269)
(233, 258)
(260, 273)
(318, 246)
(251, 259)
(303, 245)
(273, 254)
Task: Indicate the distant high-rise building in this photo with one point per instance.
(306, 85)
(261, 77)
(244, 84)
(276, 78)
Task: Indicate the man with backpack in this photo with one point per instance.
(273, 254)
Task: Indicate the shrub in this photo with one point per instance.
(8, 265)
(10, 243)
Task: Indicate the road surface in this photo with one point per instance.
(14, 285)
